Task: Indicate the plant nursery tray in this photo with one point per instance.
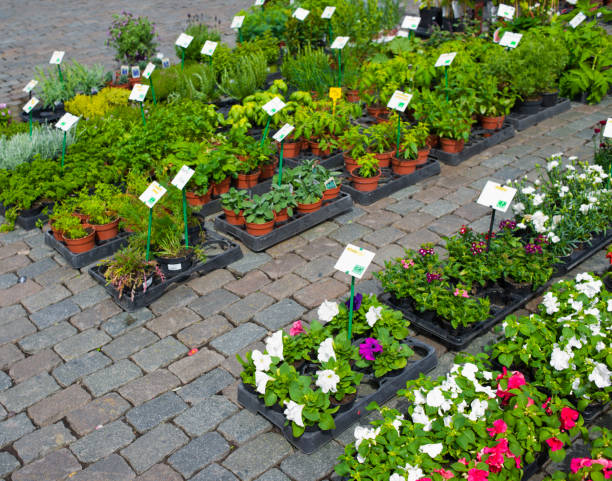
(587, 250)
(476, 144)
(330, 162)
(313, 438)
(522, 121)
(390, 183)
(214, 205)
(27, 222)
(102, 250)
(226, 252)
(296, 225)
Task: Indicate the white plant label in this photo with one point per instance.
(153, 193)
(339, 43)
(608, 129)
(577, 20)
(159, 55)
(67, 121)
(183, 176)
(208, 48)
(496, 196)
(301, 14)
(31, 84)
(183, 40)
(510, 39)
(27, 108)
(446, 59)
(411, 23)
(399, 101)
(328, 12)
(149, 70)
(402, 33)
(259, 3)
(354, 261)
(139, 92)
(166, 62)
(57, 57)
(273, 106)
(571, 2)
(125, 70)
(136, 72)
(505, 11)
(237, 21)
(285, 130)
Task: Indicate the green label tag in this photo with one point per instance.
(358, 269)
(501, 203)
(330, 184)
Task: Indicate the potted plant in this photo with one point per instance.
(200, 188)
(454, 129)
(493, 103)
(259, 216)
(104, 221)
(354, 144)
(77, 237)
(413, 149)
(233, 203)
(282, 200)
(133, 38)
(366, 175)
(308, 196)
(267, 159)
(382, 141)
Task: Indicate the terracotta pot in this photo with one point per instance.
(314, 148)
(422, 155)
(352, 95)
(82, 217)
(56, 233)
(268, 170)
(384, 159)
(349, 162)
(232, 218)
(330, 194)
(84, 244)
(376, 111)
(432, 140)
(221, 187)
(281, 216)
(291, 149)
(403, 167)
(196, 200)
(491, 123)
(364, 184)
(107, 231)
(452, 146)
(309, 208)
(259, 229)
(246, 181)
(381, 119)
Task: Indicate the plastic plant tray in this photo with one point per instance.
(523, 121)
(587, 250)
(100, 251)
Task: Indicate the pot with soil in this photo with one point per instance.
(549, 99)
(196, 200)
(403, 166)
(255, 229)
(106, 231)
(222, 187)
(291, 148)
(78, 243)
(491, 123)
(268, 170)
(171, 266)
(364, 184)
(452, 146)
(232, 218)
(530, 106)
(248, 181)
(309, 208)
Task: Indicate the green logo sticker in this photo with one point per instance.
(358, 269)
(151, 200)
(501, 203)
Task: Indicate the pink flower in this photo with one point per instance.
(495, 462)
(463, 461)
(530, 402)
(597, 131)
(516, 380)
(444, 473)
(545, 406)
(370, 347)
(554, 444)
(478, 475)
(499, 427)
(460, 292)
(406, 264)
(578, 463)
(296, 328)
(424, 479)
(568, 418)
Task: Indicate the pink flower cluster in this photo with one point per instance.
(407, 264)
(578, 463)
(460, 292)
(432, 276)
(515, 381)
(478, 247)
(507, 224)
(533, 248)
(425, 252)
(497, 456)
(296, 328)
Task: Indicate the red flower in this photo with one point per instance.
(609, 255)
(602, 122)
(516, 380)
(578, 463)
(554, 444)
(568, 418)
(424, 479)
(192, 352)
(296, 328)
(499, 427)
(597, 131)
(545, 406)
(478, 475)
(445, 474)
(495, 462)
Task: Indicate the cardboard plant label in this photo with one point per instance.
(125, 70)
(577, 20)
(166, 62)
(57, 57)
(27, 108)
(328, 12)
(505, 11)
(183, 40)
(571, 2)
(136, 71)
(339, 43)
(354, 261)
(182, 177)
(446, 59)
(510, 39)
(153, 193)
(411, 23)
(237, 21)
(208, 48)
(282, 133)
(301, 14)
(607, 132)
(496, 196)
(259, 3)
(335, 93)
(399, 101)
(148, 70)
(139, 92)
(31, 84)
(274, 106)
(67, 121)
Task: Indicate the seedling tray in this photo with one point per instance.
(102, 250)
(390, 183)
(296, 225)
(214, 206)
(334, 160)
(476, 144)
(28, 222)
(587, 250)
(313, 438)
(522, 121)
(231, 253)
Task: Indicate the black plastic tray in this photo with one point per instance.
(28, 222)
(588, 250)
(101, 250)
(390, 183)
(476, 144)
(214, 205)
(334, 160)
(296, 225)
(310, 441)
(231, 254)
(522, 121)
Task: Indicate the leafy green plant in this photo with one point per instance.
(259, 210)
(281, 197)
(200, 33)
(309, 69)
(133, 38)
(308, 193)
(45, 142)
(78, 78)
(413, 139)
(244, 76)
(454, 124)
(491, 101)
(235, 200)
(368, 166)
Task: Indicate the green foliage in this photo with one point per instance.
(309, 69)
(261, 21)
(133, 38)
(259, 210)
(101, 104)
(368, 166)
(78, 78)
(45, 142)
(235, 200)
(200, 34)
(244, 76)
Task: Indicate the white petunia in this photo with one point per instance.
(600, 346)
(419, 417)
(261, 379)
(584, 276)
(576, 384)
(469, 371)
(478, 409)
(327, 380)
(397, 423)
(590, 289)
(435, 398)
(414, 472)
(373, 315)
(488, 375)
(293, 412)
(573, 342)
(327, 311)
(432, 450)
(518, 207)
(560, 359)
(326, 350)
(576, 305)
(448, 421)
(593, 311)
(550, 302)
(461, 406)
(397, 477)
(610, 305)
(418, 397)
(364, 432)
(262, 361)
(601, 375)
(551, 165)
(538, 199)
(274, 345)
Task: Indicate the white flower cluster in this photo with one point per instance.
(274, 348)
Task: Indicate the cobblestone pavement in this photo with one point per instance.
(87, 388)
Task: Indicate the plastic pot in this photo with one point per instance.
(550, 99)
(422, 155)
(330, 194)
(83, 244)
(221, 187)
(259, 229)
(314, 148)
(309, 208)
(247, 181)
(452, 146)
(384, 159)
(232, 218)
(349, 162)
(196, 200)
(268, 170)
(364, 184)
(530, 106)
(108, 231)
(491, 123)
(352, 96)
(171, 266)
(403, 167)
(291, 149)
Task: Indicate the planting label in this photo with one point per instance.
(125, 70)
(31, 84)
(182, 177)
(505, 11)
(445, 59)
(510, 39)
(571, 2)
(354, 261)
(237, 21)
(608, 129)
(301, 13)
(139, 92)
(259, 3)
(339, 42)
(149, 70)
(577, 20)
(281, 133)
(27, 108)
(159, 55)
(208, 48)
(67, 121)
(153, 193)
(183, 40)
(166, 62)
(328, 12)
(402, 33)
(57, 57)
(411, 23)
(274, 106)
(335, 93)
(330, 183)
(136, 72)
(399, 101)
(496, 196)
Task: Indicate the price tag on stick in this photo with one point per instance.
(139, 92)
(208, 48)
(354, 261)
(67, 121)
(607, 132)
(301, 14)
(328, 12)
(27, 108)
(148, 70)
(152, 194)
(411, 23)
(31, 84)
(577, 20)
(282, 133)
(237, 21)
(496, 196)
(399, 101)
(183, 40)
(273, 106)
(339, 43)
(505, 11)
(182, 177)
(445, 60)
(57, 57)
(510, 39)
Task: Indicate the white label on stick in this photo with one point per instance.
(57, 57)
(31, 84)
(402, 33)
(67, 121)
(505, 11)
(174, 267)
(208, 48)
(608, 129)
(285, 130)
(328, 12)
(259, 3)
(510, 39)
(153, 193)
(577, 20)
(237, 21)
(139, 92)
(399, 101)
(183, 40)
(354, 261)
(183, 176)
(301, 14)
(339, 43)
(274, 106)
(149, 70)
(496, 196)
(411, 23)
(27, 108)
(445, 59)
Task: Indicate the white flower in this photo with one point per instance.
(488, 375)
(564, 190)
(520, 225)
(551, 165)
(528, 190)
(570, 167)
(448, 421)
(550, 303)
(419, 417)
(576, 305)
(539, 219)
(261, 379)
(538, 199)
(414, 472)
(584, 208)
(262, 361)
(327, 311)
(518, 207)
(469, 371)
(326, 350)
(575, 384)
(435, 398)
(478, 409)
(584, 276)
(537, 182)
(556, 219)
(593, 311)
(293, 412)
(274, 345)
(363, 432)
(461, 406)
(590, 289)
(573, 342)
(373, 315)
(432, 449)
(600, 375)
(327, 380)
(418, 397)
(600, 346)
(556, 155)
(560, 359)
(397, 477)
(572, 158)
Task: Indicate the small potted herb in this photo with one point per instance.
(259, 216)
(233, 202)
(172, 255)
(367, 174)
(308, 195)
(200, 188)
(282, 200)
(354, 144)
(102, 219)
(413, 149)
(493, 104)
(382, 137)
(454, 129)
(77, 237)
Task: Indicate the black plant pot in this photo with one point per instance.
(429, 16)
(172, 266)
(550, 99)
(529, 107)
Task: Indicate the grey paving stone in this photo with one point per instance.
(249, 261)
(406, 206)
(160, 471)
(8, 464)
(127, 344)
(56, 466)
(321, 230)
(247, 461)
(91, 362)
(200, 333)
(46, 297)
(147, 387)
(97, 413)
(210, 383)
(273, 475)
(216, 472)
(406, 192)
(43, 441)
(311, 467)
(28, 392)
(37, 268)
(371, 286)
(16, 329)
(112, 377)
(199, 453)
(213, 302)
(382, 237)
(279, 314)
(159, 354)
(317, 268)
(41, 252)
(352, 215)
(44, 360)
(5, 381)
(14, 428)
(447, 225)
(112, 468)
(156, 411)
(8, 280)
(102, 442)
(10, 313)
(90, 297)
(497, 161)
(9, 355)
(82, 343)
(154, 447)
(173, 321)
(178, 297)
(509, 173)
(124, 321)
(439, 208)
(231, 342)
(54, 313)
(206, 415)
(349, 232)
(244, 309)
(243, 426)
